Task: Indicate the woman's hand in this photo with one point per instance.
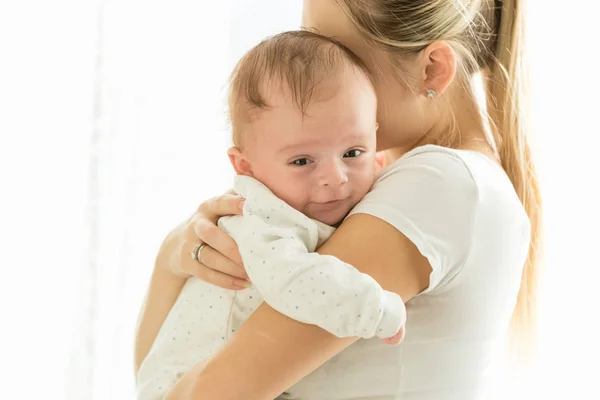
(219, 264)
(219, 261)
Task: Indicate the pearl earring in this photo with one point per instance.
(431, 94)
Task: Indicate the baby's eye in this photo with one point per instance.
(301, 161)
(353, 153)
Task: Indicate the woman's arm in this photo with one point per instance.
(271, 352)
(162, 293)
(174, 265)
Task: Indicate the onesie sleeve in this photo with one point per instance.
(277, 246)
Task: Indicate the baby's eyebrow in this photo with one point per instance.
(296, 146)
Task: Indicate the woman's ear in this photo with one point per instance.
(439, 66)
(240, 163)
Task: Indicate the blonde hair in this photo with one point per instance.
(299, 60)
(487, 37)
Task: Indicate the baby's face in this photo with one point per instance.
(321, 164)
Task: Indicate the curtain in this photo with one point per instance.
(113, 129)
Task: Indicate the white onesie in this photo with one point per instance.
(277, 245)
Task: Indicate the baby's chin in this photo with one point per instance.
(331, 218)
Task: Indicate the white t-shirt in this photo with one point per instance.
(460, 210)
(277, 245)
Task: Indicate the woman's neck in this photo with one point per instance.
(459, 125)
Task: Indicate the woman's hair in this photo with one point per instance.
(296, 61)
(487, 37)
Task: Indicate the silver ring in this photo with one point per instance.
(196, 253)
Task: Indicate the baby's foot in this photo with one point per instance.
(397, 338)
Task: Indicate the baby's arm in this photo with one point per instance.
(312, 288)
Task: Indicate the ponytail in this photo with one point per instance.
(506, 103)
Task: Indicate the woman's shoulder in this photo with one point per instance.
(459, 166)
(443, 201)
(435, 171)
(446, 190)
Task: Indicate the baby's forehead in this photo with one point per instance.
(287, 129)
(342, 107)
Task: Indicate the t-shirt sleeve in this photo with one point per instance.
(431, 198)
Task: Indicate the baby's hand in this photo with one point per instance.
(397, 338)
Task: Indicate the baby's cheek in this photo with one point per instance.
(289, 190)
(369, 178)
(296, 199)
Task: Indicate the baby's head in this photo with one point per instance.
(303, 114)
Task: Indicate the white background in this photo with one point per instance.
(113, 129)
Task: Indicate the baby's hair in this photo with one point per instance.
(297, 60)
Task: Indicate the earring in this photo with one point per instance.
(431, 94)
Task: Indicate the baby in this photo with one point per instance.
(303, 114)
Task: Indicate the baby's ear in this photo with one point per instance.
(380, 159)
(240, 163)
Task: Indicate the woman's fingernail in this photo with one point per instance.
(241, 205)
(242, 283)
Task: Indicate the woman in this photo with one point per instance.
(448, 226)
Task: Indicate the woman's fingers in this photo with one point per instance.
(220, 262)
(220, 279)
(191, 267)
(215, 260)
(220, 206)
(216, 238)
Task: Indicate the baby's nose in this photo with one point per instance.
(333, 174)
